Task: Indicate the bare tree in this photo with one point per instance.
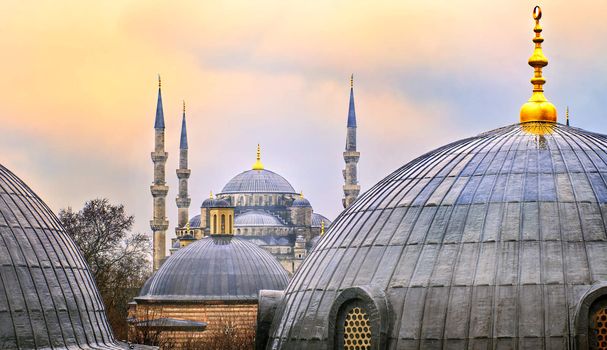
(118, 259)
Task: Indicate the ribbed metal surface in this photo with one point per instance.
(215, 268)
(48, 298)
(258, 181)
(488, 242)
(256, 218)
(195, 221)
(317, 219)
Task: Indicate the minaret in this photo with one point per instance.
(183, 173)
(159, 189)
(351, 156)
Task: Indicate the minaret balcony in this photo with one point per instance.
(158, 157)
(351, 156)
(351, 189)
(159, 224)
(159, 190)
(183, 173)
(183, 202)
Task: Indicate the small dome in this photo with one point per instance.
(257, 218)
(48, 296)
(214, 203)
(301, 202)
(317, 220)
(207, 203)
(195, 221)
(215, 268)
(258, 181)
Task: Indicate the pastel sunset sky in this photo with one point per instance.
(78, 87)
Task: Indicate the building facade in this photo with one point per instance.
(268, 211)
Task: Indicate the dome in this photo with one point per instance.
(301, 202)
(215, 268)
(195, 221)
(48, 296)
(258, 181)
(494, 241)
(257, 218)
(317, 219)
(215, 203)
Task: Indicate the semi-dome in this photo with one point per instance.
(195, 221)
(215, 268)
(257, 218)
(48, 296)
(318, 219)
(493, 241)
(301, 202)
(258, 181)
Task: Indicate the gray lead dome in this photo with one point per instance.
(494, 241)
(215, 268)
(48, 298)
(258, 181)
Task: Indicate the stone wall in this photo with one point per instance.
(236, 319)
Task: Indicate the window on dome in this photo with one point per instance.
(353, 328)
(597, 324)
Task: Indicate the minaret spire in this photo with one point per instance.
(351, 155)
(538, 108)
(159, 223)
(183, 174)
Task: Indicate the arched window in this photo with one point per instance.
(214, 223)
(230, 223)
(597, 324)
(223, 223)
(353, 328)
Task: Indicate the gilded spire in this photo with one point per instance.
(352, 81)
(538, 108)
(322, 227)
(258, 165)
(301, 195)
(567, 114)
(159, 82)
(211, 195)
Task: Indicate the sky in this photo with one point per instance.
(78, 85)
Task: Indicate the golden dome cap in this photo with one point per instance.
(538, 108)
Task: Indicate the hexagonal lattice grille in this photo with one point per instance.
(599, 329)
(357, 330)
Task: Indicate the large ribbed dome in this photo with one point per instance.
(495, 241)
(258, 181)
(215, 268)
(48, 298)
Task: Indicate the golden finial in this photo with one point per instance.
(211, 195)
(567, 114)
(301, 194)
(258, 165)
(538, 108)
(352, 81)
(159, 82)
(183, 106)
(187, 226)
(322, 227)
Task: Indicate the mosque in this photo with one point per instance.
(495, 241)
(268, 211)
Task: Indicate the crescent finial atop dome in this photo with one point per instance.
(258, 165)
(538, 108)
